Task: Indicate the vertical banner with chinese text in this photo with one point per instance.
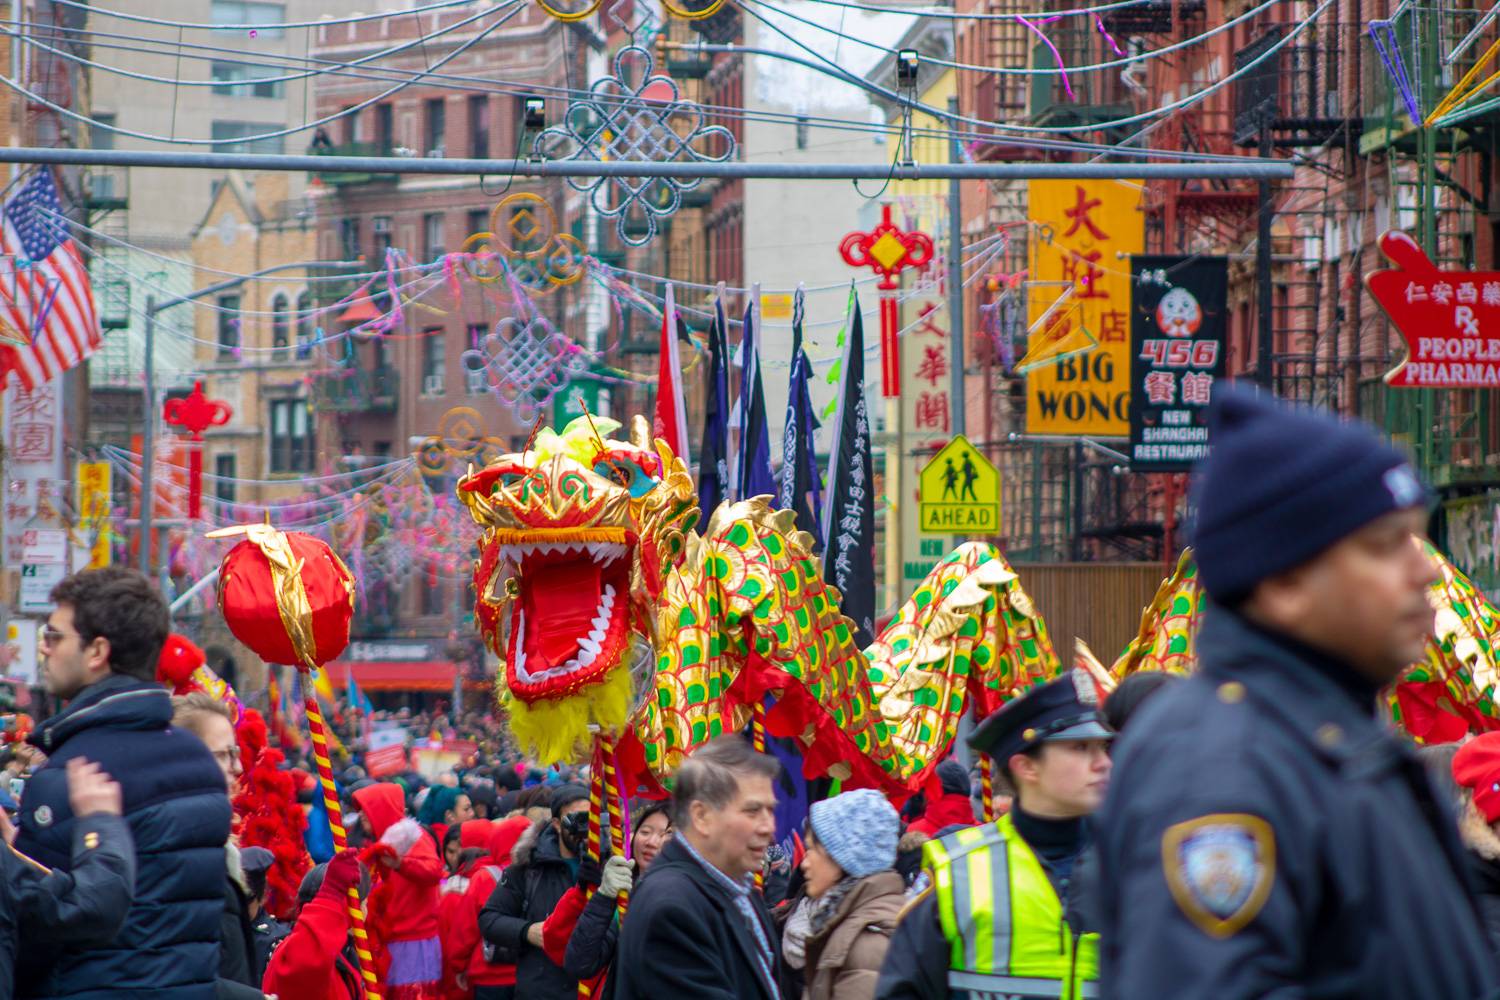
(94, 483)
(1177, 330)
(926, 409)
(1077, 360)
(33, 462)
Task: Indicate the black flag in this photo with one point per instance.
(713, 456)
(799, 487)
(849, 518)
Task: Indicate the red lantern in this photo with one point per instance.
(286, 596)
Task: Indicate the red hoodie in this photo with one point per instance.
(404, 906)
(308, 965)
(474, 833)
(950, 809)
(465, 948)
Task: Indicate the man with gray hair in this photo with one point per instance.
(697, 926)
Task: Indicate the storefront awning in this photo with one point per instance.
(397, 675)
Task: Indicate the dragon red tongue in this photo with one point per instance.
(561, 598)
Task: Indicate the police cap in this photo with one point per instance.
(1063, 709)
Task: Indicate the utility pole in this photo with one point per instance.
(956, 282)
(1264, 358)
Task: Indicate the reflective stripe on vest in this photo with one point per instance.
(1003, 920)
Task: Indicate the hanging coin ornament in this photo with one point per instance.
(569, 10)
(578, 10)
(482, 258)
(525, 230)
(526, 362)
(635, 115)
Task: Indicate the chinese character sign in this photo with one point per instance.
(33, 466)
(94, 485)
(1177, 329)
(1449, 319)
(926, 409)
(1084, 230)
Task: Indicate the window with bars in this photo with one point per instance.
(306, 325)
(292, 436)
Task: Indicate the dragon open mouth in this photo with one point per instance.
(570, 618)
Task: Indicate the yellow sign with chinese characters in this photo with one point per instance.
(1077, 362)
(93, 510)
(960, 492)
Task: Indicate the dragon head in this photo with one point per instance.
(580, 532)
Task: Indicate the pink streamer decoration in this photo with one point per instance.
(1107, 36)
(1067, 86)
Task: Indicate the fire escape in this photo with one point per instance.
(1436, 186)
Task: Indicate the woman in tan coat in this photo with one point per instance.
(854, 894)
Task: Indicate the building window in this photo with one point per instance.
(801, 131)
(479, 126)
(382, 230)
(432, 236)
(240, 130)
(237, 79)
(281, 325)
(229, 325)
(306, 323)
(382, 449)
(349, 238)
(252, 12)
(385, 130)
(292, 444)
(224, 476)
(477, 221)
(476, 380)
(437, 126)
(434, 361)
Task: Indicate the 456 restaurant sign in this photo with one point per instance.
(1449, 319)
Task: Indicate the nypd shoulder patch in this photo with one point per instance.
(1220, 869)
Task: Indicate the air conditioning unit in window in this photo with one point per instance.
(477, 380)
(432, 385)
(436, 154)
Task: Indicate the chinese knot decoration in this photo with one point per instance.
(196, 413)
(888, 250)
(1449, 319)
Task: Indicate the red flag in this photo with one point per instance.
(670, 424)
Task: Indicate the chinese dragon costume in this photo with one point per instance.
(615, 619)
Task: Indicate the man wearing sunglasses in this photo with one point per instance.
(99, 649)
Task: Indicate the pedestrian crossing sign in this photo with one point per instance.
(959, 492)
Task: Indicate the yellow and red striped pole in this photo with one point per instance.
(616, 811)
(758, 739)
(596, 808)
(364, 959)
(987, 786)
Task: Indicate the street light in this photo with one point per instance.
(148, 458)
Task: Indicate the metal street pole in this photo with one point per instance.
(1252, 168)
(148, 434)
(956, 283)
(1264, 358)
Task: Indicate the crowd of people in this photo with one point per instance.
(1254, 830)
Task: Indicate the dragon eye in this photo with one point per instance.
(627, 474)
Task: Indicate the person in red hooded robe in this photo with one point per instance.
(316, 960)
(465, 949)
(952, 807)
(404, 905)
(471, 838)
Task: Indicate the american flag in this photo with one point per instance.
(47, 297)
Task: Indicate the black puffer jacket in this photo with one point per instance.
(178, 812)
(528, 891)
(1484, 858)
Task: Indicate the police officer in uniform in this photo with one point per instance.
(1265, 833)
(1002, 917)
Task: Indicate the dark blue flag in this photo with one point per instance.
(799, 460)
(754, 477)
(713, 456)
(849, 519)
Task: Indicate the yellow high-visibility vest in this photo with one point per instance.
(1004, 921)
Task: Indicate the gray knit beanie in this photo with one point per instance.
(858, 829)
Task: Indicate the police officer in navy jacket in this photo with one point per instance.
(1266, 833)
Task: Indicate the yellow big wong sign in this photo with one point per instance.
(1077, 362)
